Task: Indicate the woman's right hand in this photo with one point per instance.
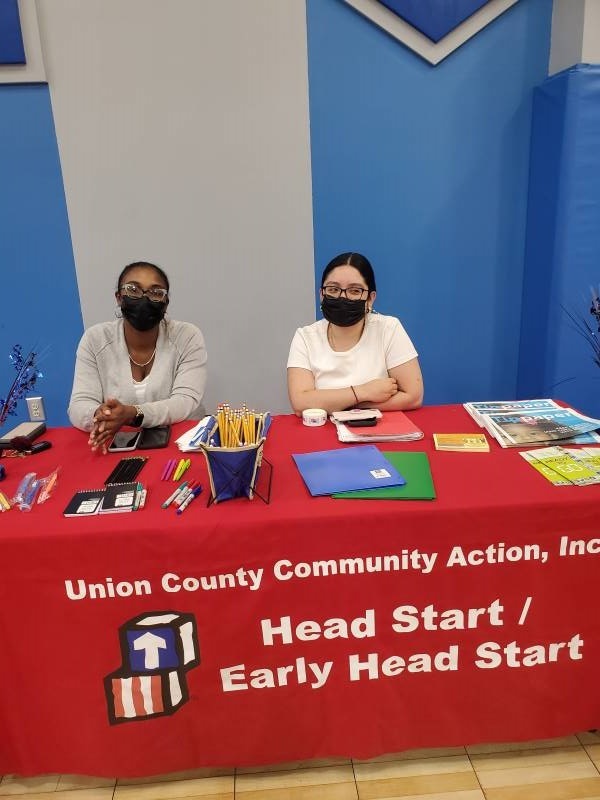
(377, 391)
(109, 417)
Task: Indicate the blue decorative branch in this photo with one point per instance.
(24, 382)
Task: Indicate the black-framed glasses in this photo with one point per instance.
(155, 293)
(350, 293)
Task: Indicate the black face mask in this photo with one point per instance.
(142, 313)
(343, 312)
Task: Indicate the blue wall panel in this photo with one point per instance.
(434, 18)
(11, 38)
(563, 240)
(425, 170)
(40, 307)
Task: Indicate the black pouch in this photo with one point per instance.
(361, 423)
(153, 438)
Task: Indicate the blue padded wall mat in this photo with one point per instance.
(562, 259)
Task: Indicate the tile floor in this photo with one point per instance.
(551, 769)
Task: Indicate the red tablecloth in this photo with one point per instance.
(305, 628)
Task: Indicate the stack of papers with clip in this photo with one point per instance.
(189, 442)
(394, 426)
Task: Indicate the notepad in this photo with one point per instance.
(415, 469)
(329, 471)
(120, 497)
(461, 442)
(84, 502)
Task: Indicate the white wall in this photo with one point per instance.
(590, 49)
(183, 135)
(567, 34)
(575, 34)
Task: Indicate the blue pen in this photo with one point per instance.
(195, 492)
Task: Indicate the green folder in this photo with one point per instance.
(414, 468)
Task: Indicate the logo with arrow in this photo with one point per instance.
(158, 649)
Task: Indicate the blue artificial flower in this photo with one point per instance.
(27, 375)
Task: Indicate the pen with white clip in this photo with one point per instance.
(193, 494)
(181, 498)
(170, 499)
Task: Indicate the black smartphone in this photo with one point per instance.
(124, 440)
(152, 438)
(361, 423)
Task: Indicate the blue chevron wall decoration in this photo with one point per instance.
(434, 18)
(432, 28)
(11, 39)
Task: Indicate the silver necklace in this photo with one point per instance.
(145, 364)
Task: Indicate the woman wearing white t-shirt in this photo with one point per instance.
(354, 356)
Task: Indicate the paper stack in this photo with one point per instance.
(461, 442)
(189, 442)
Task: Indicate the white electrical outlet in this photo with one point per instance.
(37, 413)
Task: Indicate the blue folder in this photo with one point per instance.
(362, 467)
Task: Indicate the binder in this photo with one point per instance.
(417, 472)
(329, 471)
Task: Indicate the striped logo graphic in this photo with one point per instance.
(142, 695)
(432, 28)
(157, 651)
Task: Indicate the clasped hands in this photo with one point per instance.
(109, 417)
(378, 390)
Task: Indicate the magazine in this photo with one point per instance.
(538, 426)
(478, 409)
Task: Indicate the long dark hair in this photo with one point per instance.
(356, 260)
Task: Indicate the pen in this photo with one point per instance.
(138, 496)
(172, 497)
(167, 469)
(183, 465)
(195, 492)
(186, 493)
(49, 486)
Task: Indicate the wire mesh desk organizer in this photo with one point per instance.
(232, 443)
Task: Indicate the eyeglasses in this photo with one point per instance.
(351, 293)
(154, 293)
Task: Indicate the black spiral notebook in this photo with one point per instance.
(114, 498)
(84, 502)
(120, 497)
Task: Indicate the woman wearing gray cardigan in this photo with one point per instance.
(140, 370)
